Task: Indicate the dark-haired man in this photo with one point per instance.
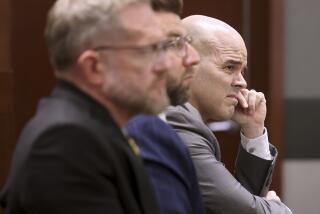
(166, 158)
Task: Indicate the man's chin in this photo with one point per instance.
(155, 106)
(228, 113)
(179, 96)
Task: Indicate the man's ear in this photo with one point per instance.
(91, 68)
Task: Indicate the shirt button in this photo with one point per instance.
(251, 150)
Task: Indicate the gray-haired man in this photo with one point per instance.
(111, 62)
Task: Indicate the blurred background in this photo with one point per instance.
(283, 58)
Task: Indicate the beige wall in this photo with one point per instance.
(302, 48)
(301, 186)
(301, 175)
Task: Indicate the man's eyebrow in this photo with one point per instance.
(233, 62)
(173, 34)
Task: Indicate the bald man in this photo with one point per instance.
(219, 92)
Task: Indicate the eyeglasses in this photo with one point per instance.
(144, 50)
(179, 45)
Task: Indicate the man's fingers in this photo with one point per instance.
(261, 98)
(249, 100)
(242, 98)
(252, 98)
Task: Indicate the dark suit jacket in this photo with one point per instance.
(222, 192)
(72, 158)
(168, 164)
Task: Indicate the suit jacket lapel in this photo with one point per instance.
(205, 129)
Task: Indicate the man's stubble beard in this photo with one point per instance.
(178, 92)
(133, 100)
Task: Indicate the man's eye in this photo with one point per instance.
(229, 67)
(172, 44)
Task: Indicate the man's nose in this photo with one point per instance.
(162, 63)
(192, 57)
(239, 81)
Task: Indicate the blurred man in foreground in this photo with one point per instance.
(110, 60)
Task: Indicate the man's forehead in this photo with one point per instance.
(171, 24)
(231, 50)
(230, 56)
(140, 23)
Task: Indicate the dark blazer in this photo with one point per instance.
(169, 165)
(223, 192)
(72, 158)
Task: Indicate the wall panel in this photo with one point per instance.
(4, 36)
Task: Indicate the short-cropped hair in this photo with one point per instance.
(174, 6)
(73, 25)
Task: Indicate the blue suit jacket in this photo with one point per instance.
(168, 164)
